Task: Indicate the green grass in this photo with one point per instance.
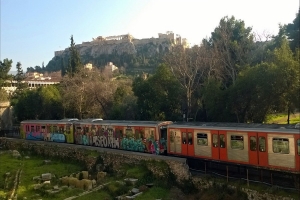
(34, 167)
(154, 193)
(281, 118)
(100, 194)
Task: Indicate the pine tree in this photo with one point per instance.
(74, 60)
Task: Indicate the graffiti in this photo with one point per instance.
(54, 137)
(106, 141)
(34, 136)
(133, 145)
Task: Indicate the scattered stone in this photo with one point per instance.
(55, 187)
(46, 182)
(149, 185)
(36, 178)
(132, 180)
(94, 183)
(7, 173)
(121, 182)
(135, 190)
(101, 175)
(47, 162)
(16, 154)
(26, 157)
(46, 176)
(64, 187)
(37, 186)
(85, 174)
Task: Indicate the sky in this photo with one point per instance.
(31, 30)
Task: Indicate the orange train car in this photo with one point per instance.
(265, 146)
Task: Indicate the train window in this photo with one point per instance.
(281, 145)
(55, 129)
(61, 129)
(43, 129)
(78, 130)
(202, 139)
(32, 129)
(190, 138)
(38, 128)
(215, 140)
(68, 129)
(262, 144)
(253, 143)
(129, 133)
(137, 134)
(237, 142)
(172, 136)
(183, 138)
(298, 142)
(86, 129)
(222, 141)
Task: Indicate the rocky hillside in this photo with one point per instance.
(133, 55)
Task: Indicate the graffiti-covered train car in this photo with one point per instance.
(141, 136)
(48, 130)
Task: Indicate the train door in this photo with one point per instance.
(184, 145)
(163, 139)
(187, 145)
(118, 136)
(215, 144)
(252, 144)
(262, 149)
(223, 145)
(297, 154)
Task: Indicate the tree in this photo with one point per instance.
(288, 65)
(293, 32)
(232, 43)
(5, 66)
(75, 64)
(190, 68)
(158, 96)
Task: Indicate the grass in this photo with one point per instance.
(31, 167)
(154, 193)
(281, 118)
(100, 194)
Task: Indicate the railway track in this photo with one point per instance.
(229, 171)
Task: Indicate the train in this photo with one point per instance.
(274, 147)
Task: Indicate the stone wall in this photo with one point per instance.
(6, 118)
(115, 160)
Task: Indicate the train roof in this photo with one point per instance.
(123, 122)
(255, 127)
(62, 121)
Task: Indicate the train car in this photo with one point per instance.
(263, 146)
(142, 136)
(48, 130)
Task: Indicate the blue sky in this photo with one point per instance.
(31, 30)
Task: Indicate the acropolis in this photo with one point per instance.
(169, 36)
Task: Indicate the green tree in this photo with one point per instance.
(293, 32)
(288, 65)
(75, 64)
(159, 96)
(5, 66)
(232, 42)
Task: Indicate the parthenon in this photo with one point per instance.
(117, 37)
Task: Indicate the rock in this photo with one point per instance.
(7, 173)
(15, 153)
(26, 157)
(55, 187)
(37, 186)
(47, 162)
(149, 185)
(46, 182)
(85, 174)
(135, 190)
(46, 176)
(36, 178)
(132, 180)
(101, 175)
(94, 183)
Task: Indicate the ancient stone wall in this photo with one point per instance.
(115, 160)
